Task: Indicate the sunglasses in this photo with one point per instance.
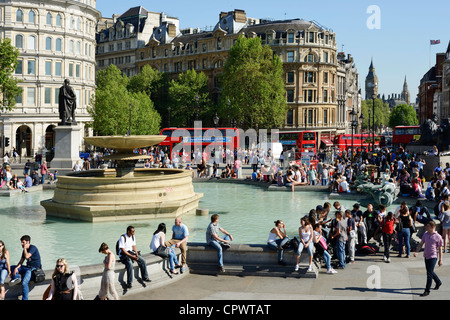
(59, 265)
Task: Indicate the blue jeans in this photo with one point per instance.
(25, 273)
(403, 239)
(327, 259)
(129, 266)
(3, 276)
(172, 258)
(279, 243)
(43, 179)
(218, 246)
(324, 181)
(429, 265)
(340, 253)
(309, 248)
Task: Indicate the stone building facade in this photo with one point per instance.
(308, 52)
(56, 41)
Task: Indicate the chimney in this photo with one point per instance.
(172, 30)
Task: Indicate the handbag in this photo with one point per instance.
(163, 252)
(38, 275)
(323, 243)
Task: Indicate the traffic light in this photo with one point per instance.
(6, 142)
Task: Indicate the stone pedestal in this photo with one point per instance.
(67, 147)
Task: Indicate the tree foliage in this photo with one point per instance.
(8, 84)
(382, 113)
(253, 92)
(403, 115)
(189, 98)
(114, 105)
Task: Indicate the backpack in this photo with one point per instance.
(117, 244)
(367, 250)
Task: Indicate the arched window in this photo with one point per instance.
(58, 45)
(48, 43)
(78, 47)
(31, 17)
(19, 15)
(19, 41)
(78, 24)
(31, 42)
(71, 46)
(58, 20)
(310, 58)
(49, 19)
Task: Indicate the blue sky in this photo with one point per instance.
(399, 47)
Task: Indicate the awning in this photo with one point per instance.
(327, 142)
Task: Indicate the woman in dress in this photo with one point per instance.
(107, 288)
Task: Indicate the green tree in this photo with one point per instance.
(8, 84)
(403, 115)
(155, 85)
(382, 113)
(253, 92)
(189, 98)
(113, 106)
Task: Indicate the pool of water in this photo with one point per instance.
(247, 212)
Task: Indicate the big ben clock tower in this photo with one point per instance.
(371, 83)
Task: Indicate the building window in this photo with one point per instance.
(325, 57)
(58, 68)
(309, 96)
(56, 95)
(204, 47)
(310, 58)
(290, 77)
(310, 77)
(71, 44)
(291, 38)
(310, 116)
(290, 95)
(19, 16)
(48, 43)
(325, 116)
(58, 45)
(49, 19)
(325, 95)
(19, 41)
(70, 69)
(290, 56)
(19, 68)
(77, 71)
(219, 44)
(325, 77)
(48, 68)
(311, 37)
(58, 20)
(31, 96)
(31, 17)
(290, 117)
(31, 67)
(31, 42)
(47, 95)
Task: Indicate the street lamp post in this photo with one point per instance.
(361, 118)
(353, 121)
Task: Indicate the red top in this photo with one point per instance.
(388, 226)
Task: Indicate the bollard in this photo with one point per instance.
(202, 212)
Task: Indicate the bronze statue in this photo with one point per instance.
(67, 104)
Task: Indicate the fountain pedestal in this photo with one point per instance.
(67, 147)
(125, 193)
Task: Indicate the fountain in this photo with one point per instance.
(126, 192)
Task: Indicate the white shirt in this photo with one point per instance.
(156, 241)
(126, 242)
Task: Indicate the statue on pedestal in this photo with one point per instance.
(67, 104)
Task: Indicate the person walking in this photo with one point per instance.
(107, 288)
(432, 254)
(213, 239)
(387, 228)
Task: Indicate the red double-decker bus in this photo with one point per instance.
(189, 139)
(364, 140)
(403, 135)
(302, 141)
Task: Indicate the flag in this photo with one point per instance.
(435, 42)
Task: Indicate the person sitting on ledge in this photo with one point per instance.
(213, 239)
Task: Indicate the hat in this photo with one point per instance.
(319, 208)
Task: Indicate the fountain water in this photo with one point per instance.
(124, 193)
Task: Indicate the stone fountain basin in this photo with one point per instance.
(98, 195)
(124, 142)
